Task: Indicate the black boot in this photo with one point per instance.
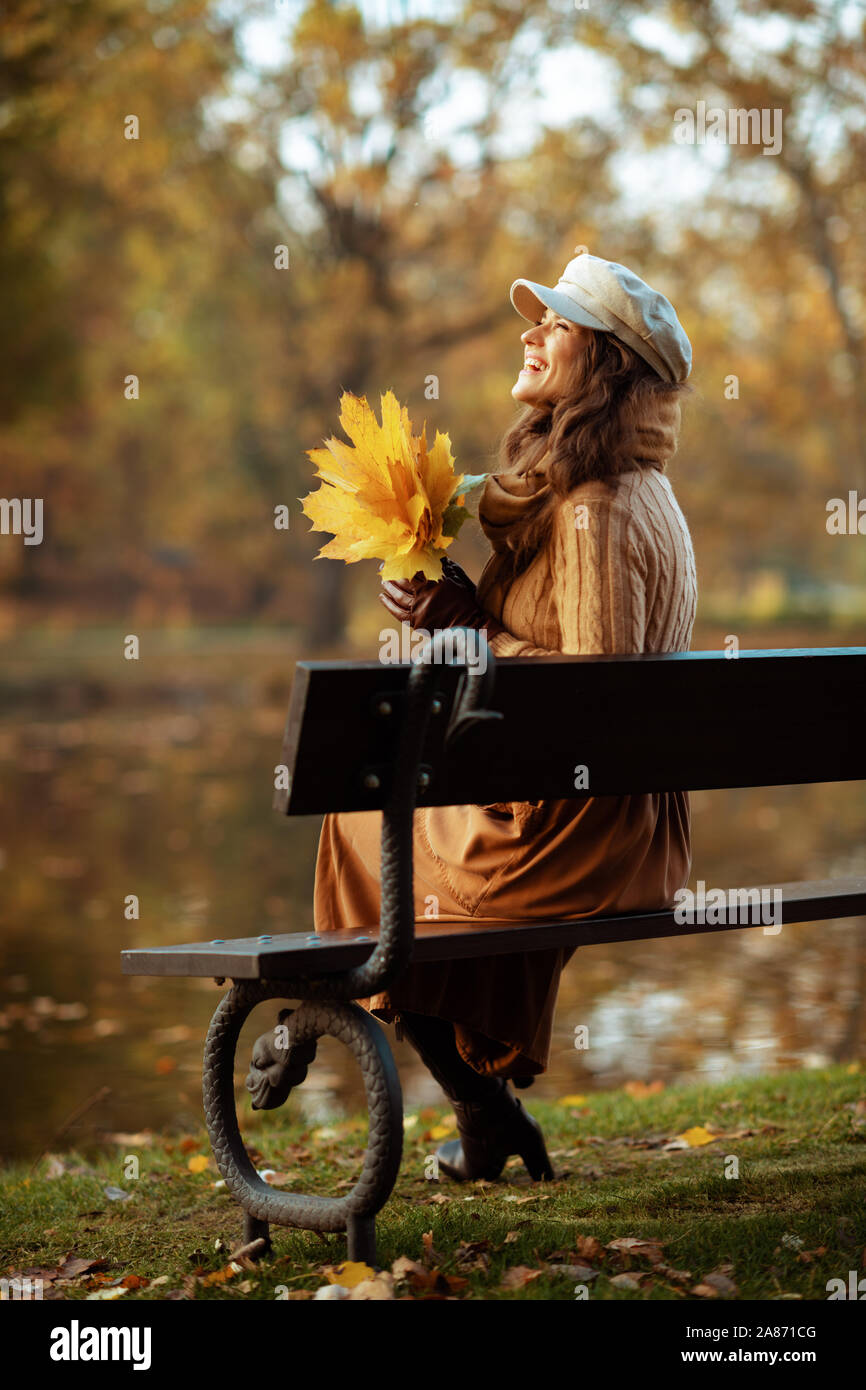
(491, 1122)
(490, 1132)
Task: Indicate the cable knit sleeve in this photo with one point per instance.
(598, 574)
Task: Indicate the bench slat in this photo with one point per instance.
(253, 957)
(687, 720)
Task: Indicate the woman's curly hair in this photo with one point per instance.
(597, 431)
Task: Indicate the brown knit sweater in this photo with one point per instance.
(618, 576)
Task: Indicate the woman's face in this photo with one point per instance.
(551, 350)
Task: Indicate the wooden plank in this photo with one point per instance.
(686, 720)
(271, 957)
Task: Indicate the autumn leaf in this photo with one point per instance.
(639, 1090)
(198, 1163)
(74, 1266)
(349, 1273)
(387, 496)
(220, 1276)
(627, 1281)
(519, 1276)
(715, 1285)
(589, 1247)
(634, 1245)
(571, 1100)
(443, 1129)
(692, 1138)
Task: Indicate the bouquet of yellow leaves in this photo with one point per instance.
(389, 497)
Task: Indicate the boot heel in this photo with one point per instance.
(534, 1153)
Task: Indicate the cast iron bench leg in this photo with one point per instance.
(361, 1233)
(257, 1230)
(355, 1212)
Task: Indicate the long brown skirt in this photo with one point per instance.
(519, 861)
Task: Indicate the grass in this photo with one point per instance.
(793, 1219)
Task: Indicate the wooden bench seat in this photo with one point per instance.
(366, 736)
(272, 957)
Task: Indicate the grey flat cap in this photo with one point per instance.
(609, 297)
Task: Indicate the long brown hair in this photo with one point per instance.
(596, 431)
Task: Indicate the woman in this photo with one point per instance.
(591, 555)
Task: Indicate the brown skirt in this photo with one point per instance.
(519, 861)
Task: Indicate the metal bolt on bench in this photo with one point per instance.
(360, 736)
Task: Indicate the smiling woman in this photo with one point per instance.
(552, 351)
(591, 556)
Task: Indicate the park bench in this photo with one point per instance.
(366, 736)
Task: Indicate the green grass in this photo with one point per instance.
(792, 1220)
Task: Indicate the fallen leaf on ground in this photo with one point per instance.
(379, 1288)
(628, 1281)
(580, 1274)
(348, 1274)
(807, 1256)
(446, 1126)
(720, 1283)
(198, 1163)
(220, 1276)
(571, 1100)
(536, 1197)
(403, 1267)
(74, 1266)
(472, 1255)
(639, 1090)
(589, 1247)
(519, 1276)
(431, 1256)
(693, 1138)
(634, 1245)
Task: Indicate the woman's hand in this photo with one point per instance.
(450, 602)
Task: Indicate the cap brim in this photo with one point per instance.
(530, 300)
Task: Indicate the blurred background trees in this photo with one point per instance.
(413, 160)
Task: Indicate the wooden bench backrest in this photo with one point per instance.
(638, 723)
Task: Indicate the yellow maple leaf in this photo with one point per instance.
(198, 1163)
(445, 1127)
(696, 1136)
(387, 496)
(349, 1274)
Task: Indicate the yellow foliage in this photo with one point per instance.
(696, 1136)
(349, 1274)
(389, 497)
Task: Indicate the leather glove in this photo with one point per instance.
(449, 602)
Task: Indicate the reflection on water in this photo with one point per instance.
(156, 783)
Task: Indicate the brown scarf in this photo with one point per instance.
(506, 497)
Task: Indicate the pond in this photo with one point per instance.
(153, 779)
